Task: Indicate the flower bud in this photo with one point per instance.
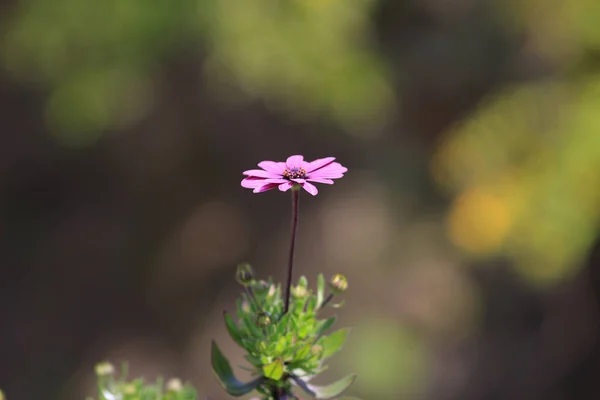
(244, 274)
(260, 287)
(338, 284)
(316, 350)
(262, 346)
(299, 291)
(104, 369)
(129, 389)
(2, 397)
(263, 320)
(174, 385)
(246, 307)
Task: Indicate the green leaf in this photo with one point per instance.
(328, 323)
(224, 374)
(255, 361)
(334, 342)
(311, 304)
(282, 325)
(326, 392)
(303, 352)
(280, 346)
(233, 329)
(251, 327)
(320, 290)
(274, 370)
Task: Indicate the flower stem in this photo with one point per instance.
(295, 196)
(250, 293)
(327, 300)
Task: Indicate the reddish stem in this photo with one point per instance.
(295, 193)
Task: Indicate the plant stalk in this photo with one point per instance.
(295, 196)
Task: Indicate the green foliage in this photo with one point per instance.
(283, 349)
(98, 60)
(112, 388)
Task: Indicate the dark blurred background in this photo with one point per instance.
(467, 223)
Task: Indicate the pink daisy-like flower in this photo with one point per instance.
(294, 170)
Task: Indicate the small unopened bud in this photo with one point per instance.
(244, 274)
(104, 369)
(299, 291)
(129, 389)
(260, 287)
(246, 306)
(263, 320)
(338, 284)
(262, 346)
(2, 395)
(174, 385)
(316, 350)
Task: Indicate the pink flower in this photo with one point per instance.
(294, 171)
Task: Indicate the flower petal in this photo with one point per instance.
(265, 187)
(321, 162)
(294, 161)
(299, 180)
(261, 174)
(277, 181)
(331, 171)
(272, 166)
(321, 180)
(252, 182)
(284, 187)
(310, 188)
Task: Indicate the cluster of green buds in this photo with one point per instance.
(284, 349)
(111, 387)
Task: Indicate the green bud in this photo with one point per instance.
(316, 350)
(263, 320)
(299, 291)
(244, 274)
(260, 287)
(104, 369)
(129, 389)
(246, 307)
(338, 284)
(262, 346)
(174, 385)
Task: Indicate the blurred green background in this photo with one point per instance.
(467, 223)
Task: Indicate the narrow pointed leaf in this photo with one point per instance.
(255, 361)
(274, 370)
(328, 323)
(224, 374)
(311, 304)
(233, 329)
(282, 325)
(332, 390)
(334, 342)
(320, 290)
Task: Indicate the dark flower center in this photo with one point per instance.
(294, 173)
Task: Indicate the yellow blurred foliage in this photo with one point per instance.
(479, 221)
(544, 137)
